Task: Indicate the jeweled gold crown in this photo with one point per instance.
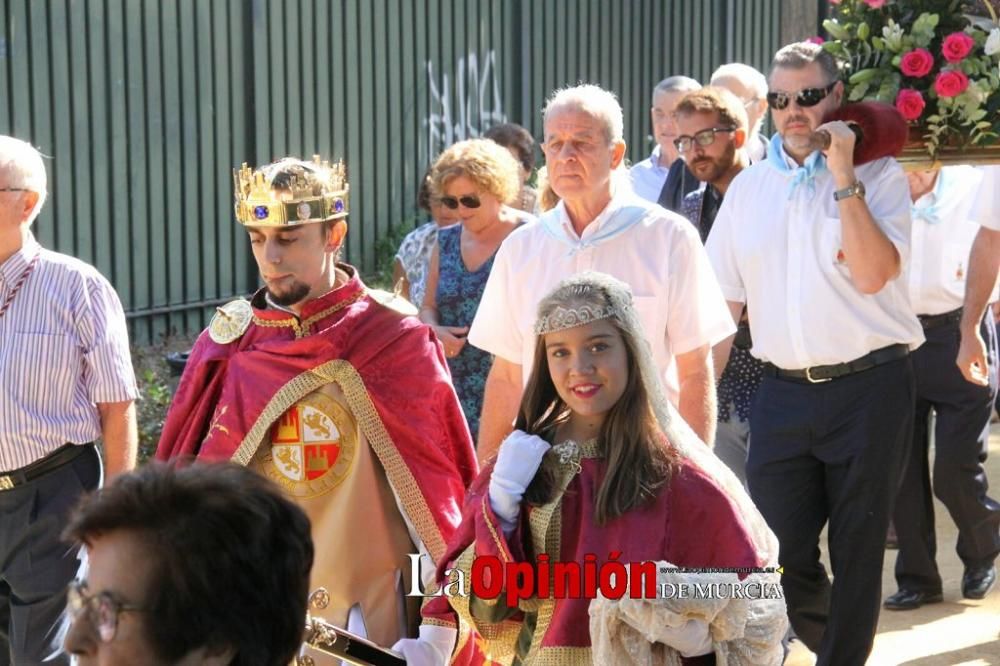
(318, 193)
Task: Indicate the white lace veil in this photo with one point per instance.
(680, 435)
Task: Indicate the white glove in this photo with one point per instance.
(518, 461)
(433, 648)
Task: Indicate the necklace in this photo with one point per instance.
(17, 285)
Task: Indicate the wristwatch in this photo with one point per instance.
(855, 190)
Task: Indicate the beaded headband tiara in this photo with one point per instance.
(562, 318)
(316, 196)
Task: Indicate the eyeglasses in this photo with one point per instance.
(706, 137)
(467, 201)
(12, 189)
(102, 609)
(805, 98)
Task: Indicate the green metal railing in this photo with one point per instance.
(145, 106)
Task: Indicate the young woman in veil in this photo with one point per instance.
(600, 465)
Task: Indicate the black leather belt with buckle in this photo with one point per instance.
(933, 321)
(818, 374)
(61, 456)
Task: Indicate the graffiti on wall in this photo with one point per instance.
(464, 105)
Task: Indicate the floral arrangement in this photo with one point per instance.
(938, 64)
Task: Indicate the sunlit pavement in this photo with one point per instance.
(958, 632)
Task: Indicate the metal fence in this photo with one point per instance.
(145, 106)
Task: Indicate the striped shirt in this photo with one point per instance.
(63, 348)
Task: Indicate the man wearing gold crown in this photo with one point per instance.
(343, 401)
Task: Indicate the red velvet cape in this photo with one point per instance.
(399, 361)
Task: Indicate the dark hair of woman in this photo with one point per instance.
(639, 459)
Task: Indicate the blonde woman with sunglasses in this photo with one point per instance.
(476, 180)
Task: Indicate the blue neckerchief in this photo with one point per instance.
(619, 222)
(803, 175)
(931, 213)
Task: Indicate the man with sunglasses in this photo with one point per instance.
(206, 565)
(812, 246)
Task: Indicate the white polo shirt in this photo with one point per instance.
(987, 210)
(942, 235)
(776, 246)
(656, 252)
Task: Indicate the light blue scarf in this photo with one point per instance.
(621, 221)
(804, 175)
(931, 213)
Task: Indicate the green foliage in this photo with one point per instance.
(385, 252)
(871, 43)
(156, 389)
(152, 407)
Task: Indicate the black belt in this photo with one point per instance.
(933, 321)
(61, 456)
(824, 373)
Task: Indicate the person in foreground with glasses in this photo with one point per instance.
(478, 179)
(201, 565)
(812, 246)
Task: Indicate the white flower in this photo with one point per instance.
(992, 45)
(893, 34)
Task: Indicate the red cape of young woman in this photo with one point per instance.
(690, 523)
(390, 368)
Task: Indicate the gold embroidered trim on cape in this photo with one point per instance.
(501, 547)
(400, 478)
(546, 531)
(498, 639)
(302, 328)
(563, 656)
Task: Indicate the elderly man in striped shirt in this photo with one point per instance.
(65, 379)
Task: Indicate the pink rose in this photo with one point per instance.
(874, 4)
(916, 63)
(910, 103)
(956, 46)
(950, 83)
(815, 39)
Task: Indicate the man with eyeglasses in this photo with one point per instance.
(812, 245)
(66, 380)
(712, 135)
(750, 86)
(205, 565)
(600, 224)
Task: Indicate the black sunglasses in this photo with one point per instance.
(804, 98)
(705, 137)
(467, 201)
